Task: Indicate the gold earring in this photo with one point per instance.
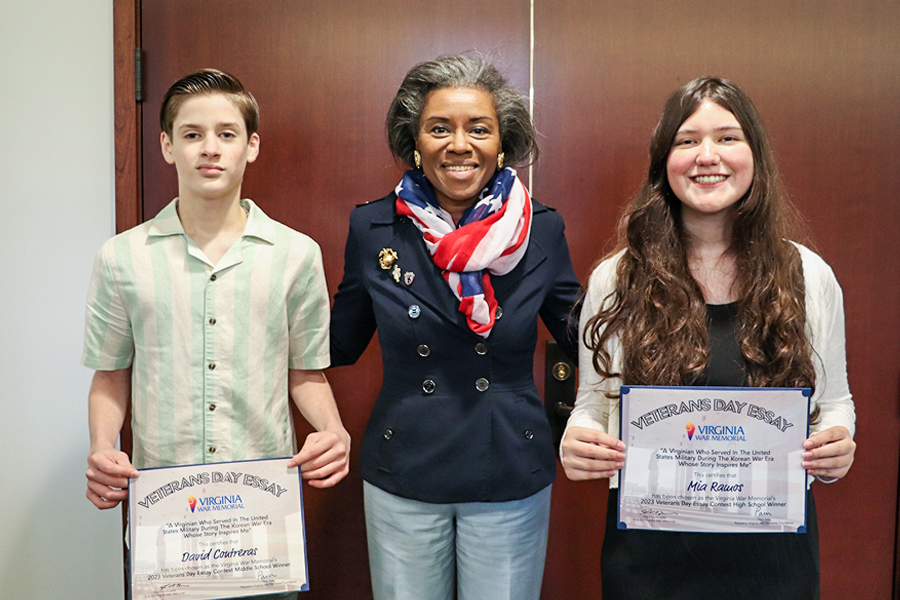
(500, 160)
(418, 159)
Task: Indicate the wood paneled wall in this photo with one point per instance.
(824, 74)
(826, 79)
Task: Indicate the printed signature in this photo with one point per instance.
(170, 586)
(655, 512)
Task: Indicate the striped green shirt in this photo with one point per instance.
(210, 345)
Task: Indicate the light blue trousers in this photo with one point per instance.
(480, 550)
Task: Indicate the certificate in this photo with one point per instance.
(222, 530)
(717, 460)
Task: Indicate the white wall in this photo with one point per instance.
(56, 207)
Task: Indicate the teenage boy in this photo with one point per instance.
(208, 317)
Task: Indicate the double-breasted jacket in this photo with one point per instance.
(458, 417)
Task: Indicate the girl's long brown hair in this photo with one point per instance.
(657, 309)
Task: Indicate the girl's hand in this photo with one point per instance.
(829, 454)
(591, 454)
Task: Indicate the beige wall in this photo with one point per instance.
(56, 203)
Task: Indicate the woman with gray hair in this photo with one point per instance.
(453, 268)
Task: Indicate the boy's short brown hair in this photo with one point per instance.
(203, 82)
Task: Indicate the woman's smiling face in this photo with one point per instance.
(459, 140)
(710, 165)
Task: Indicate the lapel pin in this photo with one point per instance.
(386, 258)
(408, 277)
(395, 273)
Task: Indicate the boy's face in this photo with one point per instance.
(209, 148)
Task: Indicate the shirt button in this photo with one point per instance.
(212, 449)
(212, 407)
(414, 311)
(423, 350)
(482, 384)
(498, 313)
(388, 434)
(212, 277)
(529, 434)
(428, 386)
(212, 321)
(212, 366)
(481, 348)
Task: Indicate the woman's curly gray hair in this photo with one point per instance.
(517, 135)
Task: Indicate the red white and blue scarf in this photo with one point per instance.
(491, 238)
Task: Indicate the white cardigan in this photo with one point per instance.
(824, 326)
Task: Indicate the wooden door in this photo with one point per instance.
(324, 74)
(825, 77)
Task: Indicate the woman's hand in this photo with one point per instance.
(324, 458)
(829, 453)
(591, 454)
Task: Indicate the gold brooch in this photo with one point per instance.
(386, 258)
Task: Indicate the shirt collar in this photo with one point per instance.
(259, 225)
(166, 222)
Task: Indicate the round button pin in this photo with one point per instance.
(482, 384)
(414, 311)
(428, 386)
(423, 350)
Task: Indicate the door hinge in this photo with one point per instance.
(138, 75)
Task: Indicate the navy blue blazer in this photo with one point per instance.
(458, 418)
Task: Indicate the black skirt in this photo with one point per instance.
(642, 565)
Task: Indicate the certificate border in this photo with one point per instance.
(131, 511)
(625, 389)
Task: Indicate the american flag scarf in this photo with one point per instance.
(491, 237)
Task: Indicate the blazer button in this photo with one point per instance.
(529, 434)
(481, 348)
(423, 350)
(388, 434)
(482, 384)
(498, 313)
(428, 386)
(414, 311)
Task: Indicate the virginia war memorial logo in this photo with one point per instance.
(716, 433)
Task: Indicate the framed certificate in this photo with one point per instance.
(222, 530)
(713, 459)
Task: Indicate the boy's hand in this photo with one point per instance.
(324, 458)
(107, 474)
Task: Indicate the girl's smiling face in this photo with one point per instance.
(710, 165)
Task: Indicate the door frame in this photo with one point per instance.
(126, 39)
